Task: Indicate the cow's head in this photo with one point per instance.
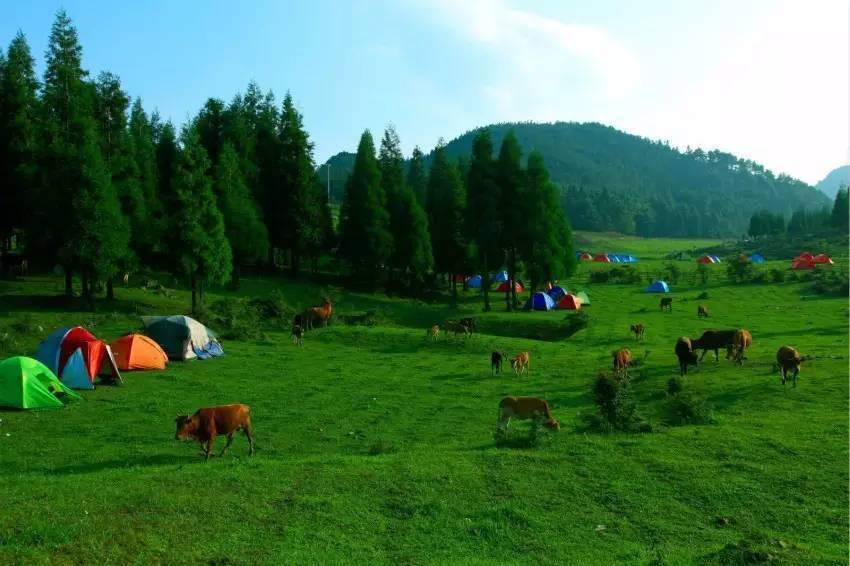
(552, 423)
(186, 426)
(692, 358)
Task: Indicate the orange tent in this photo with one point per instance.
(135, 351)
(569, 302)
(822, 258)
(585, 256)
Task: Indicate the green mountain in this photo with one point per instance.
(611, 180)
(334, 178)
(837, 178)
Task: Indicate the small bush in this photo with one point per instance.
(683, 407)
(616, 410)
(777, 275)
(232, 320)
(575, 321)
(702, 296)
(702, 274)
(623, 274)
(672, 273)
(274, 307)
(830, 282)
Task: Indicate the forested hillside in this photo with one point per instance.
(837, 178)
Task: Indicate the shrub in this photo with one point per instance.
(682, 406)
(616, 410)
(232, 319)
(740, 271)
(672, 273)
(703, 274)
(273, 307)
(575, 321)
(830, 282)
(777, 275)
(624, 274)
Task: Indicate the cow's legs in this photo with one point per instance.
(704, 352)
(249, 435)
(208, 448)
(716, 355)
(227, 445)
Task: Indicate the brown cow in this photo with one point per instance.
(685, 352)
(525, 408)
(713, 340)
(622, 359)
(639, 330)
(208, 423)
(521, 363)
(789, 360)
(457, 328)
(434, 332)
(322, 313)
(470, 324)
(702, 311)
(667, 304)
(736, 349)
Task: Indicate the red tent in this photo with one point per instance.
(92, 349)
(603, 258)
(806, 256)
(506, 288)
(802, 263)
(822, 258)
(460, 278)
(705, 260)
(585, 256)
(569, 302)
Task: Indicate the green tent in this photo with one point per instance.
(585, 300)
(26, 383)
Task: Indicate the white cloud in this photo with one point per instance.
(540, 58)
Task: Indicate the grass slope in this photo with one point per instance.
(376, 445)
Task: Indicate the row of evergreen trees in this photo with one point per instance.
(94, 184)
(804, 222)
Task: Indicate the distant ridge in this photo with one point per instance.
(837, 178)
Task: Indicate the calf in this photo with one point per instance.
(667, 304)
(434, 332)
(457, 328)
(521, 363)
(208, 423)
(741, 340)
(638, 330)
(702, 311)
(496, 362)
(525, 408)
(622, 359)
(685, 352)
(297, 335)
(789, 360)
(713, 340)
(469, 323)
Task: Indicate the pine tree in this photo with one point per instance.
(446, 207)
(167, 157)
(300, 204)
(147, 241)
(511, 180)
(200, 248)
(245, 231)
(417, 178)
(261, 111)
(365, 238)
(483, 219)
(840, 210)
(411, 254)
(18, 108)
(210, 126)
(548, 248)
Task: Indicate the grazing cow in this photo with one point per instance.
(525, 408)
(297, 335)
(434, 332)
(208, 423)
(685, 353)
(667, 304)
(702, 311)
(622, 359)
(470, 324)
(789, 360)
(496, 362)
(639, 330)
(521, 363)
(713, 340)
(736, 349)
(322, 313)
(457, 328)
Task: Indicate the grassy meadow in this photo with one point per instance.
(376, 445)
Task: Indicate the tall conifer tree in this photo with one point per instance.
(484, 220)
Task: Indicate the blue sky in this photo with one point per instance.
(765, 79)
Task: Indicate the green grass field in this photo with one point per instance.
(375, 445)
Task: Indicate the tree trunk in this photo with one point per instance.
(69, 282)
(110, 291)
(234, 278)
(454, 293)
(485, 282)
(194, 284)
(85, 283)
(295, 262)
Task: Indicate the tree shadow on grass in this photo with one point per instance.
(129, 462)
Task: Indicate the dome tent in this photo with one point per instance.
(585, 256)
(499, 277)
(26, 383)
(756, 258)
(506, 288)
(802, 263)
(569, 302)
(135, 351)
(823, 258)
(602, 258)
(182, 337)
(76, 356)
(557, 293)
(658, 287)
(706, 260)
(582, 296)
(475, 282)
(539, 302)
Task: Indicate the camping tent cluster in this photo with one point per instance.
(708, 260)
(808, 261)
(557, 298)
(500, 279)
(73, 358)
(606, 257)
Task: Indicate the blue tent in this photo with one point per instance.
(630, 259)
(474, 282)
(75, 374)
(48, 351)
(557, 293)
(539, 302)
(658, 287)
(757, 258)
(715, 259)
(500, 277)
